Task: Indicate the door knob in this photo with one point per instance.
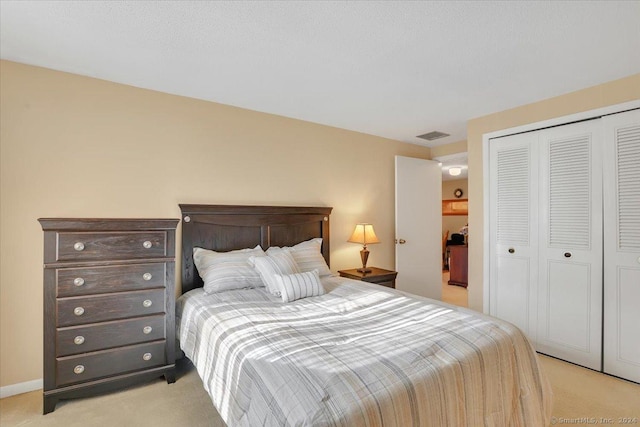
(401, 241)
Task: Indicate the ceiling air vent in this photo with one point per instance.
(433, 135)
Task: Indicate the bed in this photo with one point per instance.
(359, 355)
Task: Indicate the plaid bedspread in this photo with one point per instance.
(361, 355)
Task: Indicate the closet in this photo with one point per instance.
(564, 236)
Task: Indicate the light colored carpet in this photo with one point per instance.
(158, 404)
(578, 393)
(456, 295)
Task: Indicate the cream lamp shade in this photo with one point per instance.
(365, 235)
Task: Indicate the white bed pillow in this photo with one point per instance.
(300, 285)
(277, 262)
(308, 256)
(223, 271)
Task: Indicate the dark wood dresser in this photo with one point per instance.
(379, 276)
(458, 265)
(108, 304)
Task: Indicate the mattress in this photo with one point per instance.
(360, 355)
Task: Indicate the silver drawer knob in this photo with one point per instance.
(147, 303)
(146, 356)
(147, 330)
(78, 311)
(78, 340)
(78, 246)
(147, 276)
(187, 218)
(78, 369)
(147, 244)
(78, 281)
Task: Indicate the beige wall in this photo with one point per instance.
(447, 149)
(449, 186)
(453, 223)
(79, 147)
(611, 93)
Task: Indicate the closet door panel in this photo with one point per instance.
(570, 244)
(567, 306)
(512, 289)
(622, 245)
(513, 255)
(628, 321)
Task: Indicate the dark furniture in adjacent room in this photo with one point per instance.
(456, 240)
(458, 265)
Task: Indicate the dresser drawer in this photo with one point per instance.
(99, 308)
(99, 280)
(106, 246)
(85, 367)
(83, 339)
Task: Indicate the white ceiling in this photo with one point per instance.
(393, 69)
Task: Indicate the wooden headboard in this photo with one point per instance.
(228, 227)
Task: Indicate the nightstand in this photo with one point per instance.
(378, 276)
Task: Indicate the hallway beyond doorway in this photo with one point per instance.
(452, 294)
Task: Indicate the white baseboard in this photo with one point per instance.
(13, 389)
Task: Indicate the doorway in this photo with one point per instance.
(455, 230)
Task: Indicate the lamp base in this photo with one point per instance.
(364, 256)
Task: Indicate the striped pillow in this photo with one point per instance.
(308, 256)
(281, 262)
(223, 271)
(301, 285)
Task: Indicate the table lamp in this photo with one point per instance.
(364, 235)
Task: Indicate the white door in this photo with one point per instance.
(570, 244)
(419, 226)
(513, 259)
(622, 245)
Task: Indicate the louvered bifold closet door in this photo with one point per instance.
(622, 245)
(513, 229)
(570, 282)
